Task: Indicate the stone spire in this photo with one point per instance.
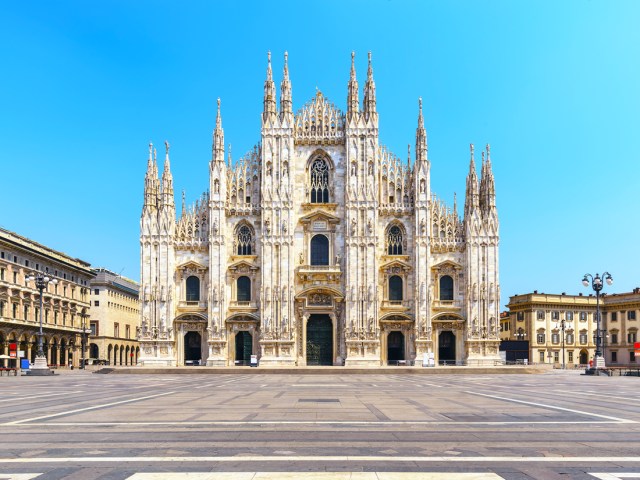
(286, 103)
(487, 183)
(269, 93)
(218, 139)
(471, 198)
(421, 136)
(370, 92)
(167, 180)
(184, 205)
(353, 99)
(151, 182)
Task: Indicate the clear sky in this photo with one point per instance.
(551, 85)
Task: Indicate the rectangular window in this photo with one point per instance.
(614, 338)
(94, 328)
(15, 310)
(15, 277)
(540, 314)
(555, 315)
(569, 315)
(1, 308)
(26, 263)
(556, 357)
(614, 357)
(631, 337)
(64, 319)
(26, 312)
(631, 315)
(570, 338)
(632, 356)
(116, 329)
(15, 259)
(1, 273)
(96, 291)
(583, 316)
(96, 303)
(55, 318)
(541, 356)
(127, 331)
(520, 316)
(614, 316)
(555, 338)
(583, 338)
(540, 337)
(570, 356)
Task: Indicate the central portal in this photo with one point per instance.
(447, 348)
(319, 340)
(395, 347)
(192, 348)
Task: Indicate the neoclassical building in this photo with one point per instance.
(319, 247)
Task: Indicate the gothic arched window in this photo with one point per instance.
(243, 290)
(319, 181)
(244, 240)
(394, 240)
(446, 288)
(193, 289)
(319, 250)
(395, 288)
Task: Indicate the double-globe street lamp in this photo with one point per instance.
(597, 285)
(520, 334)
(41, 280)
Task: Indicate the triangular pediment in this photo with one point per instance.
(191, 265)
(447, 264)
(396, 263)
(319, 216)
(243, 265)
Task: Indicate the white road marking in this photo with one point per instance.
(320, 459)
(553, 407)
(319, 385)
(18, 476)
(315, 476)
(300, 422)
(19, 422)
(41, 396)
(614, 476)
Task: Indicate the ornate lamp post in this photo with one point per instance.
(41, 280)
(520, 334)
(562, 325)
(597, 285)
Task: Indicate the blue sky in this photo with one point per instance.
(552, 86)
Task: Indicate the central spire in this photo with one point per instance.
(421, 136)
(218, 139)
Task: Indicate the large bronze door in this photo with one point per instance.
(192, 348)
(319, 340)
(395, 347)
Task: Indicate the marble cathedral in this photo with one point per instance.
(319, 247)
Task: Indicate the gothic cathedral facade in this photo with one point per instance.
(319, 247)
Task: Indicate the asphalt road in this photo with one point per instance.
(558, 425)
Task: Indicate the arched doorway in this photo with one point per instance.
(395, 347)
(584, 357)
(94, 352)
(319, 340)
(446, 348)
(192, 348)
(244, 348)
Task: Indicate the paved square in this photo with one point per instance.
(144, 427)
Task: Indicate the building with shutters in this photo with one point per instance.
(319, 247)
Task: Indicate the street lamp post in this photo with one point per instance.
(41, 280)
(520, 334)
(597, 285)
(562, 327)
(84, 338)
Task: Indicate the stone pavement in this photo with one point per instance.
(559, 424)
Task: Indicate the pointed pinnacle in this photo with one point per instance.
(218, 116)
(269, 75)
(370, 69)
